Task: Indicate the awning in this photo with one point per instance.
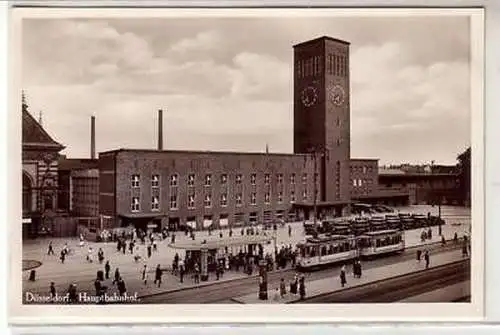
(207, 223)
(191, 224)
(26, 220)
(223, 222)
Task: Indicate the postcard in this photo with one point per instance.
(246, 165)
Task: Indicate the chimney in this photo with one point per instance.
(160, 129)
(92, 137)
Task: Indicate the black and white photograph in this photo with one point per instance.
(248, 157)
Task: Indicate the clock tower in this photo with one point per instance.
(322, 113)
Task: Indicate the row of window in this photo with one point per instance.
(362, 169)
(207, 201)
(336, 65)
(361, 182)
(191, 178)
(309, 67)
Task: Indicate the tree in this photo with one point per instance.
(464, 175)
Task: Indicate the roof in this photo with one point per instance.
(116, 151)
(385, 171)
(217, 243)
(328, 38)
(34, 135)
(68, 164)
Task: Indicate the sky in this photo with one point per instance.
(226, 83)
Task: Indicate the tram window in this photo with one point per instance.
(323, 251)
(302, 251)
(377, 244)
(330, 250)
(335, 249)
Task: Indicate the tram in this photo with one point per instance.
(360, 225)
(378, 222)
(381, 242)
(393, 221)
(407, 220)
(421, 220)
(325, 250)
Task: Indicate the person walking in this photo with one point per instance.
(158, 275)
(181, 270)
(196, 273)
(427, 259)
(117, 276)
(107, 268)
(51, 249)
(121, 287)
(149, 251)
(302, 287)
(282, 288)
(52, 290)
(145, 274)
(63, 256)
(419, 255)
(100, 255)
(343, 279)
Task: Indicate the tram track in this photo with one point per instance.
(400, 287)
(223, 291)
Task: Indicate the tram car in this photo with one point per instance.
(360, 225)
(393, 221)
(421, 220)
(378, 222)
(407, 220)
(382, 242)
(325, 250)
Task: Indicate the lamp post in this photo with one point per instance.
(315, 152)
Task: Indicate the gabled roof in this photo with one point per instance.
(35, 136)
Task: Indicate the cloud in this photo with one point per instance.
(224, 89)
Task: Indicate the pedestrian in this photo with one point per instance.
(51, 249)
(289, 231)
(282, 288)
(89, 255)
(155, 247)
(302, 287)
(343, 279)
(124, 247)
(196, 273)
(100, 255)
(117, 276)
(107, 268)
(145, 274)
(52, 290)
(158, 275)
(63, 256)
(66, 249)
(443, 240)
(455, 238)
(131, 247)
(149, 251)
(427, 259)
(181, 270)
(359, 269)
(464, 250)
(419, 255)
(72, 293)
(121, 287)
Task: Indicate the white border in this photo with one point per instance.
(247, 313)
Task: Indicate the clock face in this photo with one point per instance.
(336, 94)
(309, 96)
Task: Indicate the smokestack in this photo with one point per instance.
(160, 129)
(92, 137)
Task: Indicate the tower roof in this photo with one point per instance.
(328, 38)
(34, 135)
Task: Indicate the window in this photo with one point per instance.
(292, 197)
(280, 197)
(360, 182)
(239, 199)
(191, 199)
(191, 180)
(253, 199)
(155, 203)
(135, 207)
(292, 178)
(364, 169)
(304, 194)
(223, 179)
(135, 180)
(354, 182)
(253, 179)
(239, 177)
(223, 199)
(304, 178)
(208, 200)
(155, 181)
(280, 178)
(266, 178)
(173, 201)
(208, 180)
(174, 179)
(267, 198)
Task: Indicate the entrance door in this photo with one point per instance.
(173, 224)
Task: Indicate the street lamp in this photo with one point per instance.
(316, 151)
